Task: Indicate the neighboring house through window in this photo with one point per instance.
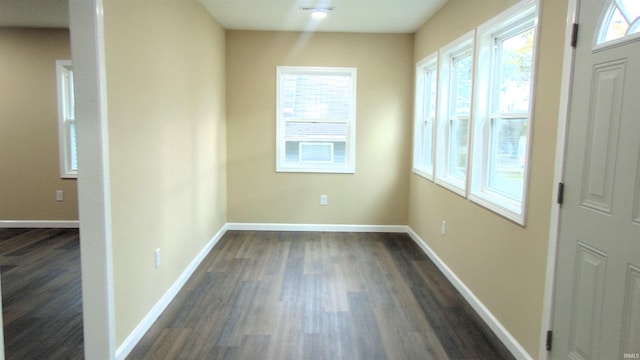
(316, 119)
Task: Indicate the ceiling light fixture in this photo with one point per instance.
(318, 13)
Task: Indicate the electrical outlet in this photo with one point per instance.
(444, 227)
(157, 257)
(59, 195)
(323, 200)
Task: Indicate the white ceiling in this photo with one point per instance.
(377, 16)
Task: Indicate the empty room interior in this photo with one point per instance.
(184, 142)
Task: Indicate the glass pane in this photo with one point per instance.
(507, 156)
(291, 151)
(433, 91)
(428, 118)
(429, 100)
(458, 133)
(630, 8)
(339, 152)
(617, 26)
(69, 104)
(514, 72)
(73, 146)
(461, 86)
(316, 96)
(635, 27)
(427, 151)
(315, 130)
(316, 152)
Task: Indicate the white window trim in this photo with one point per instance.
(460, 45)
(480, 193)
(430, 63)
(64, 130)
(316, 166)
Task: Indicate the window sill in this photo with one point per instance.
(316, 170)
(454, 185)
(424, 174)
(70, 175)
(501, 205)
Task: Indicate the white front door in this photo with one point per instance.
(597, 291)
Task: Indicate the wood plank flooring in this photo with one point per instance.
(294, 295)
(41, 293)
(257, 295)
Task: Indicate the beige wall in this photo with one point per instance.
(503, 263)
(377, 193)
(166, 114)
(29, 162)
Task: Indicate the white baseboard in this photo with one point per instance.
(70, 224)
(501, 332)
(317, 227)
(132, 340)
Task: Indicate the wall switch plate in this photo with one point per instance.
(157, 257)
(59, 195)
(323, 200)
(444, 227)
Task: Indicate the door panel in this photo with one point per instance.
(587, 314)
(631, 314)
(604, 121)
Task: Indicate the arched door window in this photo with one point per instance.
(621, 19)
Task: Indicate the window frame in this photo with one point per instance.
(447, 55)
(426, 76)
(518, 18)
(350, 147)
(66, 119)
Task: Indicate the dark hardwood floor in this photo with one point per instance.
(41, 293)
(293, 295)
(257, 295)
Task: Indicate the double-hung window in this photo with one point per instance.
(504, 77)
(454, 113)
(425, 116)
(491, 99)
(66, 120)
(316, 119)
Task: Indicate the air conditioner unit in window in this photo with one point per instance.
(315, 152)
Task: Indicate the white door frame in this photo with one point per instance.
(94, 199)
(558, 176)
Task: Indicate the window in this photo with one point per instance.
(316, 118)
(454, 113)
(621, 20)
(66, 120)
(425, 116)
(502, 112)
